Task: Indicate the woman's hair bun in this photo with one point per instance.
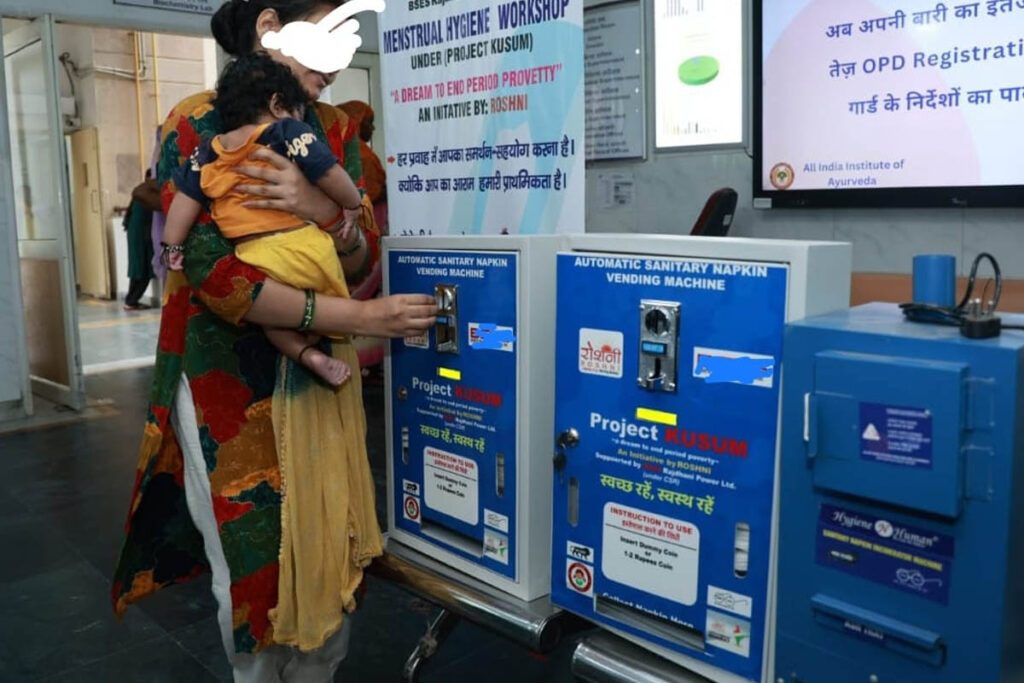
(229, 27)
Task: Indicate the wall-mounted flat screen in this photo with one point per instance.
(912, 103)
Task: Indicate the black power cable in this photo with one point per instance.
(973, 317)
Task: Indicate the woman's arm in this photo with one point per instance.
(180, 218)
(402, 315)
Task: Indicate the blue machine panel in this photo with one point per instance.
(662, 512)
(899, 544)
(454, 406)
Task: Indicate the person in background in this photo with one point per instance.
(138, 224)
(360, 114)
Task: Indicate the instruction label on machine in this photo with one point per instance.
(906, 558)
(896, 435)
(451, 484)
(651, 552)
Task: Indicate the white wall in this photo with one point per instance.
(671, 189)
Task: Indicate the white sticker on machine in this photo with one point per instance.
(450, 485)
(651, 552)
(730, 601)
(728, 633)
(496, 546)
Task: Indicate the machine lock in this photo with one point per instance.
(659, 345)
(447, 325)
(570, 438)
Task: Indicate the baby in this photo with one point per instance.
(261, 104)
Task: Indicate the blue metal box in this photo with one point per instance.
(900, 549)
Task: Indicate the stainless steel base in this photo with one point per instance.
(536, 625)
(606, 658)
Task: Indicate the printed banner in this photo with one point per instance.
(484, 116)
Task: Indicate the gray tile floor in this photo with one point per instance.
(63, 496)
(112, 336)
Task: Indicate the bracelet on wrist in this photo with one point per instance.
(309, 312)
(360, 241)
(334, 221)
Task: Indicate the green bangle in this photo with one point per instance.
(309, 312)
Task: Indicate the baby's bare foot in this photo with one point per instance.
(331, 370)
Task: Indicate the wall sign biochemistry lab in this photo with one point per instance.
(191, 6)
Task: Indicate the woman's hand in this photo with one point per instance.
(286, 189)
(401, 315)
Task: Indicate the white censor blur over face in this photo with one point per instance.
(329, 44)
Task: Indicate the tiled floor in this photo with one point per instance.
(63, 496)
(112, 336)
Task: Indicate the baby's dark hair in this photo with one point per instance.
(248, 85)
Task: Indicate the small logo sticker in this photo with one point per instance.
(419, 341)
(496, 546)
(410, 487)
(600, 352)
(411, 508)
(730, 601)
(496, 520)
(580, 552)
(728, 633)
(579, 577)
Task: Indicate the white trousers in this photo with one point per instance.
(275, 664)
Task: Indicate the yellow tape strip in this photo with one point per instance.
(658, 416)
(448, 373)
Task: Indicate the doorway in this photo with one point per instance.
(36, 193)
(117, 87)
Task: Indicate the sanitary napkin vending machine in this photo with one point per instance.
(470, 407)
(902, 534)
(668, 356)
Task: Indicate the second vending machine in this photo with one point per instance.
(668, 354)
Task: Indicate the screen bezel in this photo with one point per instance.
(910, 197)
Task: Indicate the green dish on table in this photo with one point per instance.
(698, 70)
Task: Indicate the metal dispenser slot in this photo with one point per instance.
(659, 345)
(447, 326)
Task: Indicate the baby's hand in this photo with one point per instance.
(176, 261)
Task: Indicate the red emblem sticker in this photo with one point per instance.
(411, 508)
(580, 578)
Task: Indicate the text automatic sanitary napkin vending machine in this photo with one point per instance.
(668, 356)
(902, 535)
(470, 407)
